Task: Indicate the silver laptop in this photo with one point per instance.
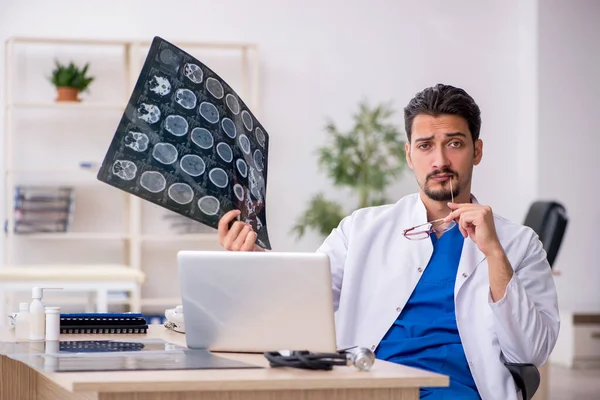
(257, 301)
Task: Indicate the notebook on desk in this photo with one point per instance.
(103, 323)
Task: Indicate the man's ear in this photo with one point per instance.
(407, 151)
(478, 152)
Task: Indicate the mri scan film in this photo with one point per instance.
(189, 143)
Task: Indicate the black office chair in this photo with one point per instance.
(549, 220)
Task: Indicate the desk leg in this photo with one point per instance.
(316, 394)
(48, 390)
(17, 380)
(20, 382)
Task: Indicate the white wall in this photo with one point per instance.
(531, 66)
(318, 60)
(569, 143)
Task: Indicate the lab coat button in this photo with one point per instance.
(398, 309)
(465, 275)
(373, 347)
(420, 269)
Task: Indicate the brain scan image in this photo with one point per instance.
(192, 165)
(232, 104)
(165, 153)
(218, 177)
(176, 125)
(181, 193)
(224, 151)
(242, 167)
(189, 143)
(202, 138)
(153, 181)
(229, 127)
(193, 72)
(160, 85)
(185, 98)
(209, 112)
(209, 205)
(244, 144)
(258, 160)
(149, 113)
(124, 169)
(214, 87)
(137, 141)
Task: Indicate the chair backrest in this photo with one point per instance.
(549, 220)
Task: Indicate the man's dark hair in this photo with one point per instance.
(443, 99)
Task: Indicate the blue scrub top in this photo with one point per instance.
(425, 334)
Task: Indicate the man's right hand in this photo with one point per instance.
(240, 237)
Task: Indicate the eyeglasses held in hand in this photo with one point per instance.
(423, 231)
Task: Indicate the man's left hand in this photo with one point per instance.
(477, 222)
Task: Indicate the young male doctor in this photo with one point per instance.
(437, 281)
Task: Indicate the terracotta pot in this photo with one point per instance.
(67, 94)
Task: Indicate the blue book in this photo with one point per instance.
(102, 315)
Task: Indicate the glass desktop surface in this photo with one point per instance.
(117, 355)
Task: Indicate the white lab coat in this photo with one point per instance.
(375, 269)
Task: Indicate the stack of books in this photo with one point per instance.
(102, 323)
(43, 209)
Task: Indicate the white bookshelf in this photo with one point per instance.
(67, 106)
(194, 237)
(75, 236)
(136, 241)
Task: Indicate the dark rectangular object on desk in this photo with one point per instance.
(101, 315)
(102, 321)
(98, 323)
(103, 329)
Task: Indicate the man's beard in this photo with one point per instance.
(442, 194)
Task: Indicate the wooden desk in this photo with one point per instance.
(384, 381)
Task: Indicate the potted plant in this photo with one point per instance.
(366, 160)
(70, 81)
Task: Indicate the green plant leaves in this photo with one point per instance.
(365, 159)
(70, 76)
(322, 215)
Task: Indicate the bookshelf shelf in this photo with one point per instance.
(194, 237)
(32, 115)
(52, 171)
(77, 300)
(162, 301)
(67, 106)
(72, 236)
